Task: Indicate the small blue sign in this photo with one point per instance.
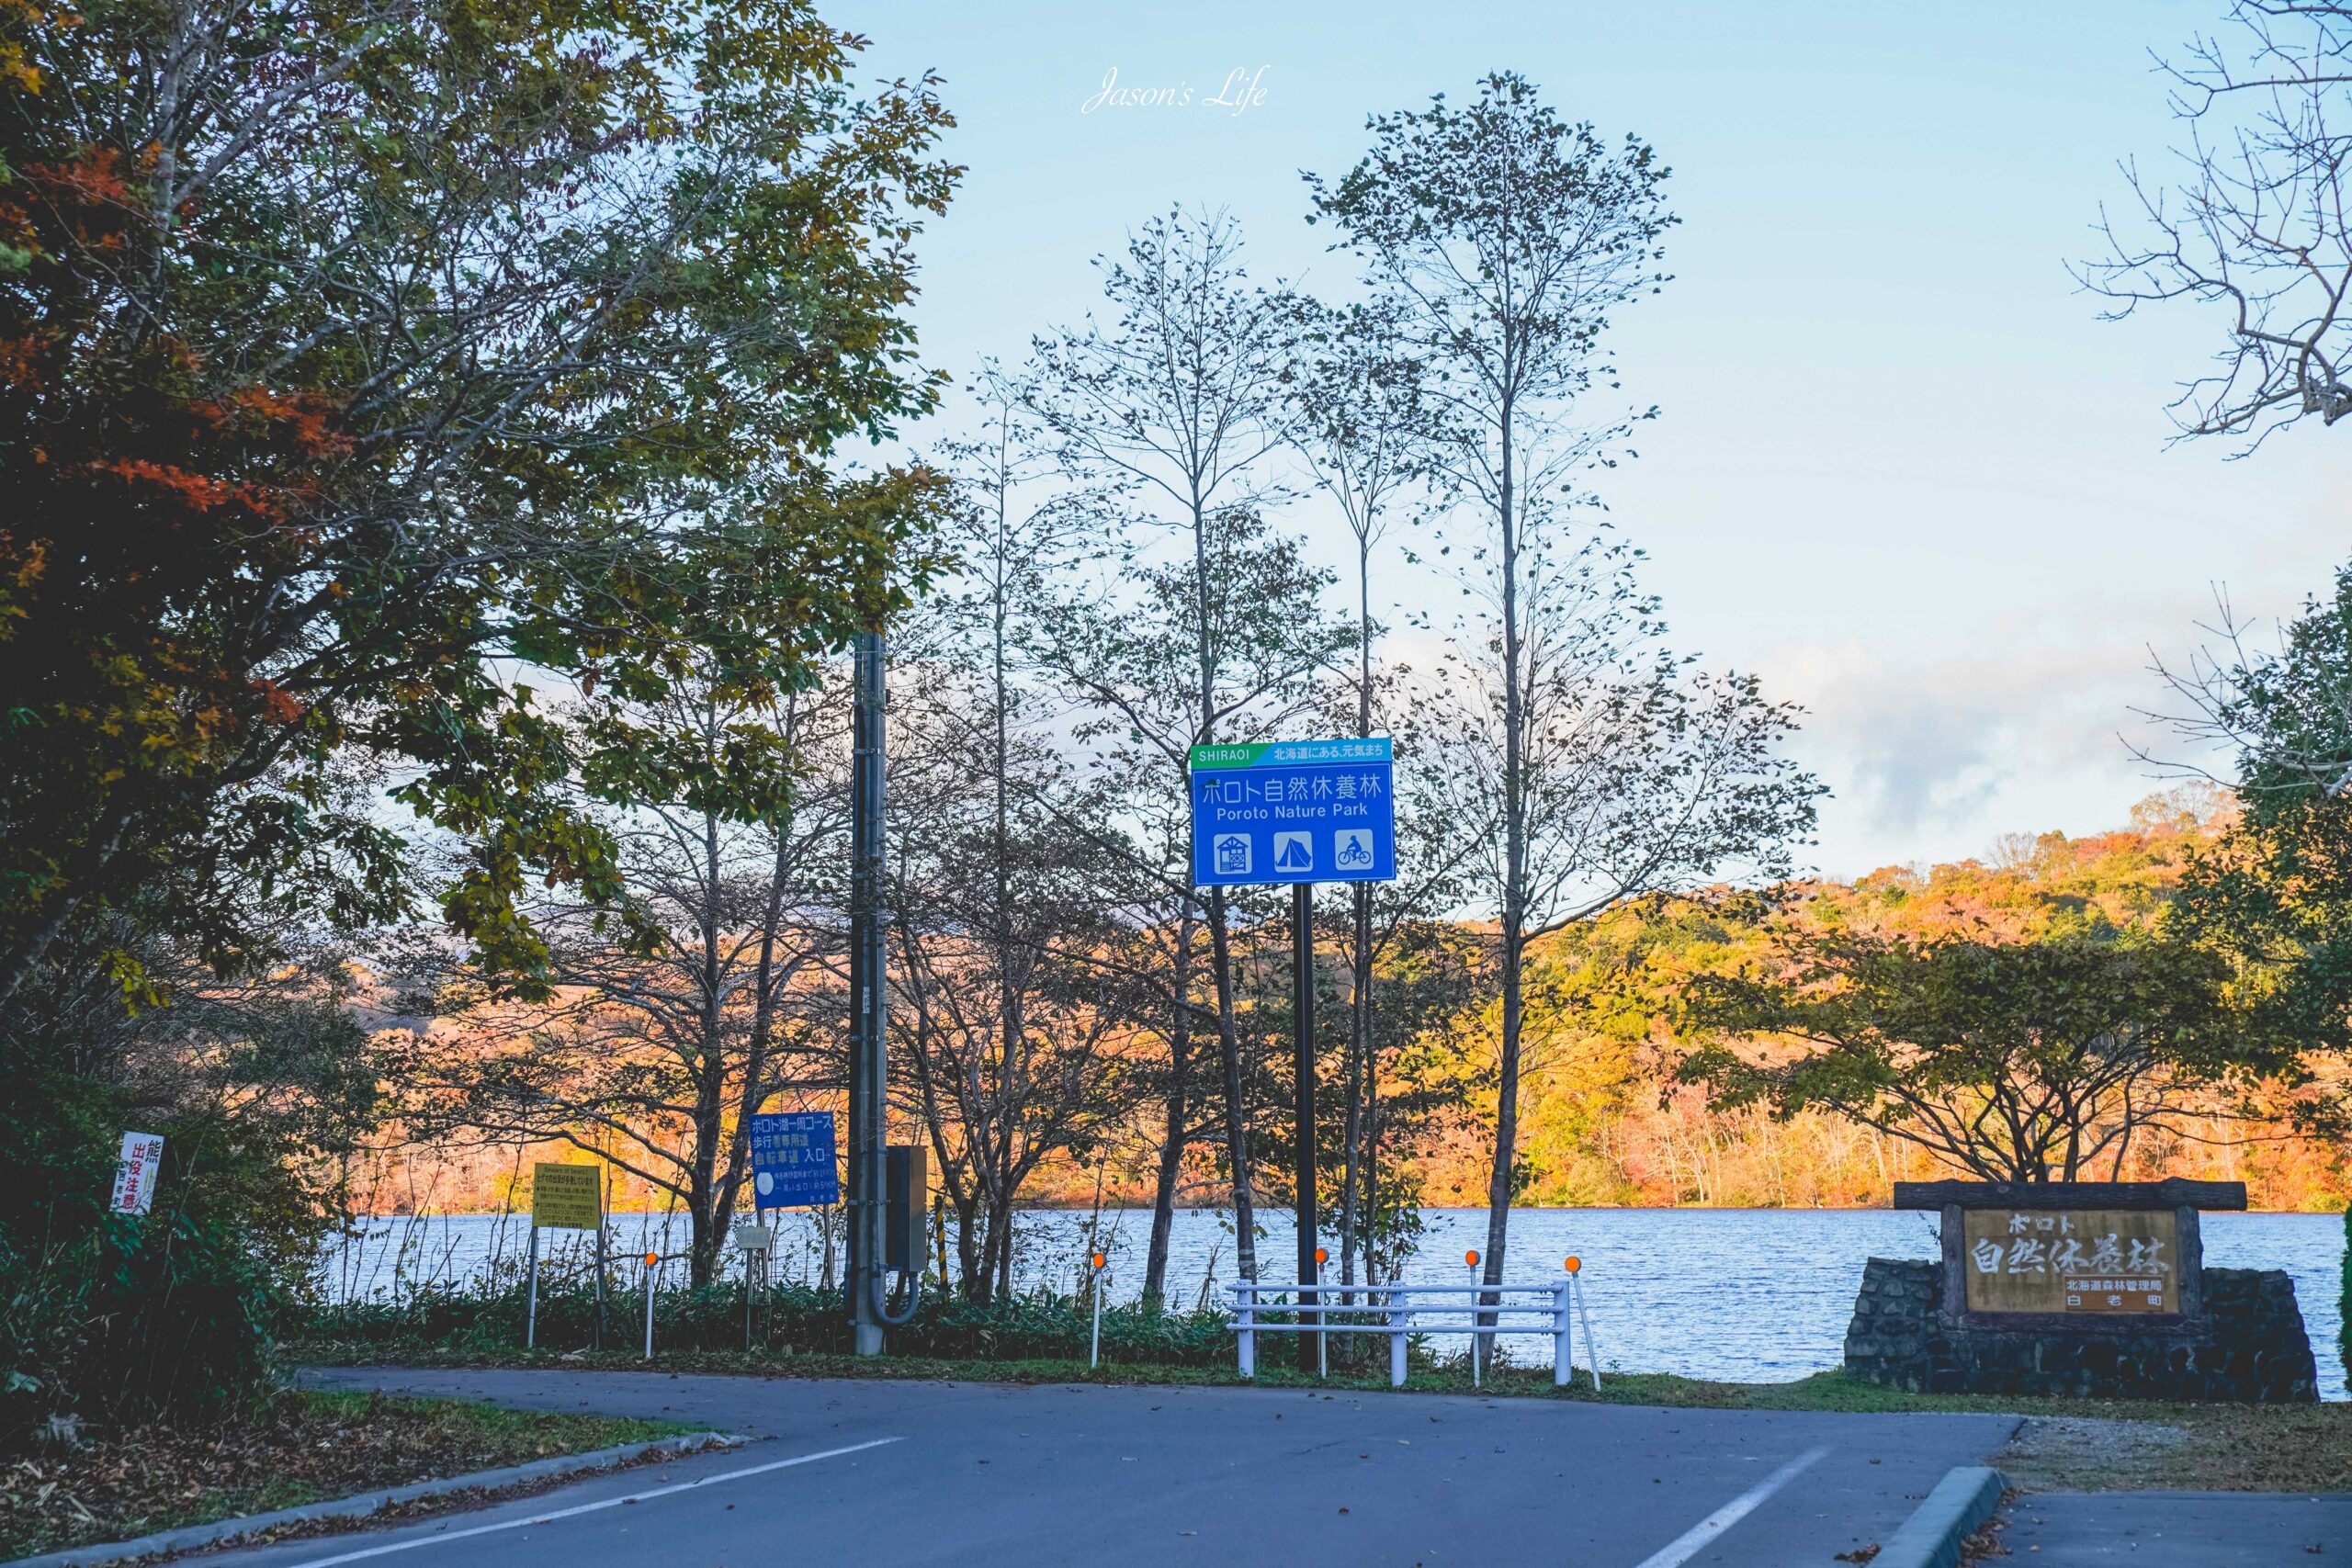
(1288, 811)
(792, 1160)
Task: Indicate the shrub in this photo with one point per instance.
(488, 1314)
(120, 1319)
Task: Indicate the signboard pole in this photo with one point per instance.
(603, 1208)
(1301, 982)
(869, 1071)
(1296, 813)
(531, 1314)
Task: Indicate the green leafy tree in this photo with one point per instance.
(356, 359)
(2277, 889)
(366, 371)
(2027, 1061)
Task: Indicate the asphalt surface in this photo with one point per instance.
(2178, 1529)
(903, 1472)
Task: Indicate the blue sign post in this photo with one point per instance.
(792, 1160)
(1297, 812)
(1290, 811)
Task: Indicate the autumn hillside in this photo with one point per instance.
(1606, 1125)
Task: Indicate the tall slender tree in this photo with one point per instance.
(1360, 425)
(1020, 1035)
(1179, 400)
(1507, 238)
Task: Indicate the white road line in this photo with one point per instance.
(1684, 1547)
(528, 1520)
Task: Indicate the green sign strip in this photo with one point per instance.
(1230, 756)
(1292, 753)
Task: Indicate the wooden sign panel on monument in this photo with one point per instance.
(2096, 1258)
(2068, 1260)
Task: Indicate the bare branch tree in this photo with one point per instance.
(656, 1058)
(1019, 1035)
(1362, 427)
(1180, 400)
(2252, 220)
(1508, 238)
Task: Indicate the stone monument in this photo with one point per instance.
(2086, 1288)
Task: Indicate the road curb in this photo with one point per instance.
(189, 1537)
(1931, 1538)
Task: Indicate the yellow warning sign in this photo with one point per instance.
(567, 1197)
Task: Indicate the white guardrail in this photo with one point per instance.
(1399, 1310)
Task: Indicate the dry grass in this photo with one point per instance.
(304, 1448)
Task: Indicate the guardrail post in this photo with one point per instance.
(1094, 1286)
(1245, 1307)
(1591, 1350)
(1563, 1340)
(1400, 1316)
(650, 1261)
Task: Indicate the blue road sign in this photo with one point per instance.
(792, 1160)
(1293, 811)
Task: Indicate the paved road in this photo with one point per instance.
(911, 1473)
(2178, 1529)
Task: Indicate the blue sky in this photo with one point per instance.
(1902, 469)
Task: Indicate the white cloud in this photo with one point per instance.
(1931, 752)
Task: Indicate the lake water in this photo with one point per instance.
(1750, 1295)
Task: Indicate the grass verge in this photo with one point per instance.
(304, 1448)
(2069, 1444)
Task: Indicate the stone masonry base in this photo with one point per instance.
(2251, 1348)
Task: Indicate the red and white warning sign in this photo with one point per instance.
(134, 1180)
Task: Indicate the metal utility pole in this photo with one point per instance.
(869, 1076)
(1302, 991)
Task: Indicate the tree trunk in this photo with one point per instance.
(702, 1207)
(1180, 1114)
(968, 1240)
(1514, 890)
